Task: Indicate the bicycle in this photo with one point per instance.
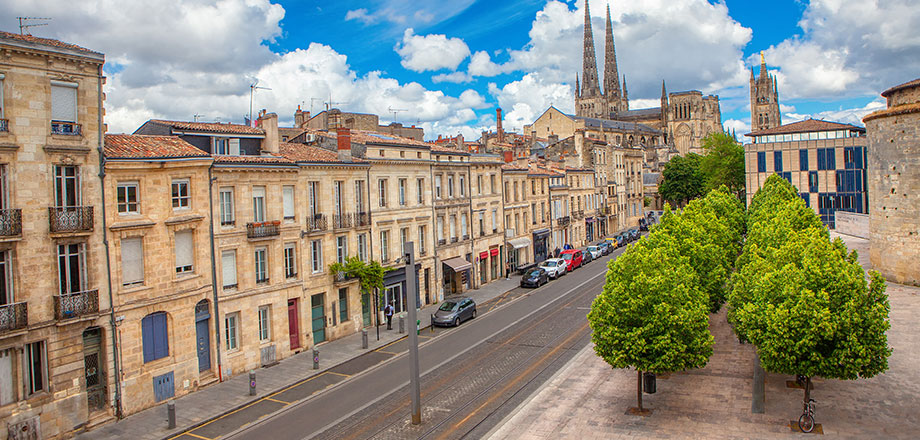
(807, 419)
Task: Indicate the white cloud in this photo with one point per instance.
(644, 103)
(529, 97)
(783, 108)
(403, 13)
(422, 53)
(741, 127)
(845, 115)
(453, 77)
(481, 65)
(360, 15)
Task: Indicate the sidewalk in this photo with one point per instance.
(221, 398)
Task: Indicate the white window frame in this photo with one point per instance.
(128, 244)
(403, 238)
(437, 186)
(316, 256)
(402, 192)
(440, 227)
(463, 226)
(232, 331)
(7, 296)
(453, 226)
(265, 327)
(384, 245)
(260, 258)
(123, 189)
(450, 185)
(187, 268)
(259, 194)
(421, 238)
(462, 183)
(290, 260)
(227, 215)
(382, 189)
(420, 184)
(226, 266)
(362, 246)
(39, 348)
(80, 254)
(223, 146)
(71, 90)
(61, 187)
(179, 201)
(359, 197)
(287, 202)
(314, 206)
(341, 249)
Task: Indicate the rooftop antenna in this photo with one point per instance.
(395, 112)
(311, 104)
(24, 24)
(252, 88)
(197, 117)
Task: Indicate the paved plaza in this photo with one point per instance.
(588, 400)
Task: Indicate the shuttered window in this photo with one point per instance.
(228, 268)
(235, 147)
(63, 101)
(155, 338)
(258, 203)
(132, 261)
(184, 252)
(287, 194)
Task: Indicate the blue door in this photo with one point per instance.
(202, 335)
(163, 387)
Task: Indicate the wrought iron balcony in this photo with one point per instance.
(579, 214)
(342, 277)
(362, 219)
(14, 316)
(263, 229)
(10, 222)
(442, 242)
(66, 128)
(563, 221)
(4, 125)
(317, 223)
(71, 218)
(466, 236)
(453, 239)
(74, 305)
(342, 221)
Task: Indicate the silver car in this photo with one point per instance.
(554, 267)
(453, 311)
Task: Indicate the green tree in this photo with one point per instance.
(369, 274)
(722, 163)
(681, 179)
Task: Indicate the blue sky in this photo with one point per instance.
(450, 63)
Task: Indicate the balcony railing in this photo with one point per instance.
(453, 239)
(13, 316)
(74, 305)
(466, 236)
(4, 125)
(71, 219)
(263, 229)
(563, 221)
(362, 219)
(66, 128)
(578, 214)
(10, 222)
(442, 242)
(317, 223)
(342, 277)
(342, 221)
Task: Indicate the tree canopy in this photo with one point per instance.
(722, 163)
(681, 179)
(369, 274)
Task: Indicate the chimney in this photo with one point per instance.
(498, 125)
(508, 156)
(269, 124)
(298, 118)
(343, 140)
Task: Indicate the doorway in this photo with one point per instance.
(427, 286)
(93, 369)
(366, 309)
(394, 293)
(203, 334)
(317, 303)
(294, 323)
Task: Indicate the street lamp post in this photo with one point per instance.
(411, 281)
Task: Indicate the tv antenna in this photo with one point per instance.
(197, 117)
(24, 24)
(252, 88)
(395, 112)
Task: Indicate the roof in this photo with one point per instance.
(136, 146)
(617, 125)
(210, 127)
(806, 126)
(46, 42)
(308, 153)
(907, 85)
(265, 158)
(644, 112)
(513, 167)
(374, 137)
(443, 149)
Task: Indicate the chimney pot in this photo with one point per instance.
(343, 142)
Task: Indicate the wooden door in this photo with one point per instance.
(293, 323)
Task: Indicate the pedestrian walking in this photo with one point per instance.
(507, 270)
(388, 312)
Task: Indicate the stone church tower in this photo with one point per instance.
(764, 100)
(589, 101)
(616, 98)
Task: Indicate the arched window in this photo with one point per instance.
(155, 339)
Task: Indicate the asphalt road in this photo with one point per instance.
(472, 376)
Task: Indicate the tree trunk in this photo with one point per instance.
(639, 390)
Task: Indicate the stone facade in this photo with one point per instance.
(335, 119)
(57, 367)
(489, 238)
(894, 190)
(764, 100)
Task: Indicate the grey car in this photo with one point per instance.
(453, 311)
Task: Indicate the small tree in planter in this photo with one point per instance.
(369, 274)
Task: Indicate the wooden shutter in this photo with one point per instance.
(287, 193)
(184, 249)
(147, 338)
(234, 146)
(228, 267)
(160, 337)
(63, 101)
(132, 261)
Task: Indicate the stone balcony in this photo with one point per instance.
(70, 219)
(77, 304)
(14, 316)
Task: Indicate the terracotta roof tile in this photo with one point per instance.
(806, 126)
(148, 147)
(46, 42)
(264, 159)
(309, 153)
(374, 137)
(210, 127)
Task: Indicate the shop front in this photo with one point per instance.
(394, 288)
(517, 252)
(589, 229)
(456, 277)
(540, 237)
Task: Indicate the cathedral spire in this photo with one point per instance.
(611, 75)
(590, 84)
(577, 86)
(763, 66)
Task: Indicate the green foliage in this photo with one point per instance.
(369, 275)
(647, 201)
(722, 163)
(682, 179)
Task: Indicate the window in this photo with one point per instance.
(184, 252)
(359, 196)
(362, 247)
(343, 304)
(420, 183)
(341, 249)
(226, 206)
(63, 106)
(132, 261)
(290, 260)
(261, 259)
(453, 227)
(463, 231)
(403, 239)
(440, 228)
(402, 192)
(36, 367)
(507, 192)
(533, 187)
(384, 245)
(180, 196)
(533, 212)
(479, 184)
(287, 199)
(72, 267)
(437, 186)
(338, 189)
(126, 193)
(316, 255)
(542, 212)
(778, 161)
(66, 186)
(494, 220)
(450, 185)
(6, 280)
(227, 146)
(314, 199)
(813, 181)
(228, 268)
(462, 185)
(265, 320)
(493, 186)
(482, 223)
(258, 204)
(382, 184)
(761, 162)
(421, 239)
(231, 328)
(803, 160)
(154, 337)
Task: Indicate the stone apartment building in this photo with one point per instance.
(518, 214)
(632, 192)
(450, 172)
(490, 250)
(583, 204)
(560, 210)
(330, 120)
(825, 161)
(57, 363)
(538, 196)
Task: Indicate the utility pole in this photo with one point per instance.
(411, 281)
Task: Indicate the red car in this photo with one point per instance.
(572, 258)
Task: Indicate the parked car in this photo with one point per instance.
(453, 311)
(634, 234)
(595, 252)
(622, 240)
(586, 257)
(554, 267)
(573, 258)
(605, 247)
(535, 277)
(643, 224)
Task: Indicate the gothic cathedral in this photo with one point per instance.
(764, 100)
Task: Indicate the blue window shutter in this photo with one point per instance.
(160, 339)
(147, 338)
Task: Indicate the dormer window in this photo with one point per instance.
(226, 146)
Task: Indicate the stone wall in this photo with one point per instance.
(851, 223)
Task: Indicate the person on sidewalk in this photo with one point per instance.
(388, 312)
(508, 270)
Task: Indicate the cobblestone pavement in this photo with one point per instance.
(588, 400)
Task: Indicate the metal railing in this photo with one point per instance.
(66, 128)
(263, 229)
(578, 214)
(453, 239)
(4, 125)
(466, 236)
(563, 221)
(362, 219)
(341, 221)
(74, 305)
(317, 223)
(10, 222)
(342, 276)
(70, 219)
(14, 316)
(442, 242)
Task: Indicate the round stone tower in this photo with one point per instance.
(894, 184)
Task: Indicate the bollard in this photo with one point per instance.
(252, 383)
(171, 414)
(315, 359)
(364, 338)
(402, 323)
